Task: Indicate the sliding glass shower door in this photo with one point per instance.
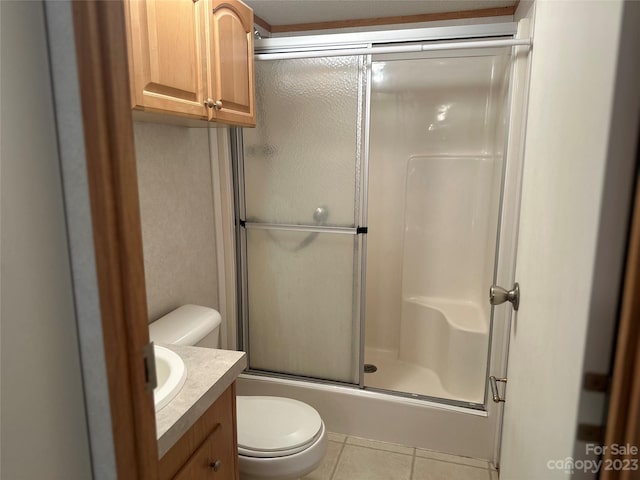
(437, 157)
(300, 212)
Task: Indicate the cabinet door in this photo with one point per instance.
(212, 438)
(167, 65)
(230, 57)
(213, 459)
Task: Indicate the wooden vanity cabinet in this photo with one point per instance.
(209, 449)
(192, 58)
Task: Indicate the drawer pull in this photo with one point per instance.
(215, 465)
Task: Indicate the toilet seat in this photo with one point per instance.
(272, 427)
(284, 468)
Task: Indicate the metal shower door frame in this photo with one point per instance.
(358, 231)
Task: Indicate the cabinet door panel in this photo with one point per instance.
(213, 459)
(166, 56)
(213, 437)
(231, 62)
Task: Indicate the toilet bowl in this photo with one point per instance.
(278, 438)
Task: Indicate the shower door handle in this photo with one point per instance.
(499, 295)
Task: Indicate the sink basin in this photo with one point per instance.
(171, 373)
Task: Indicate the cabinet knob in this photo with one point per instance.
(215, 465)
(217, 105)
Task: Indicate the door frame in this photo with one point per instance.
(623, 416)
(509, 220)
(100, 43)
(99, 29)
(100, 33)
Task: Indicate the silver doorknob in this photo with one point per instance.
(215, 466)
(498, 295)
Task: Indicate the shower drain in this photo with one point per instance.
(370, 368)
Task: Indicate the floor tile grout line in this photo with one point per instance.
(450, 455)
(379, 449)
(453, 463)
(335, 467)
(415, 452)
(413, 464)
(380, 442)
(341, 442)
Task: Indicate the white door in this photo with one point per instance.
(568, 127)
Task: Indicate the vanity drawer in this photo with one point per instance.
(213, 459)
(213, 437)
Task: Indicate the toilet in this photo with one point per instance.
(278, 438)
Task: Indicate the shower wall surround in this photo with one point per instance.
(176, 206)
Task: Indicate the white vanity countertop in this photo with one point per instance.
(209, 373)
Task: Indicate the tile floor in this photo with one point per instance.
(352, 458)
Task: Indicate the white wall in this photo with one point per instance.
(570, 120)
(44, 426)
(176, 210)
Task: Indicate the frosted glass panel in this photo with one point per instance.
(302, 306)
(303, 153)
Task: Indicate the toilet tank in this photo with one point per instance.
(188, 325)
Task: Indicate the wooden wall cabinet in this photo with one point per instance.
(209, 449)
(192, 58)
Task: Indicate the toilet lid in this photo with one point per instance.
(275, 425)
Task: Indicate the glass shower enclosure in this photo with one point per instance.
(368, 206)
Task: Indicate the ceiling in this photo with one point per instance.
(287, 12)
